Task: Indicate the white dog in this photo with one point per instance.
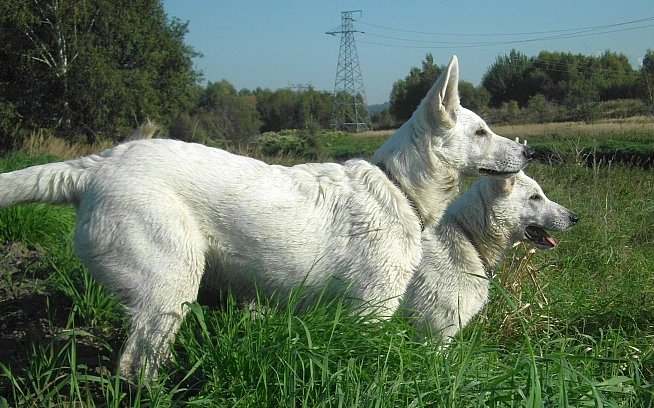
(155, 217)
(451, 284)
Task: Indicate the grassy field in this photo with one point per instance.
(570, 327)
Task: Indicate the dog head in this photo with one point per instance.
(524, 212)
(459, 137)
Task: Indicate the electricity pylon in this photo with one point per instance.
(349, 110)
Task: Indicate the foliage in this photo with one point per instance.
(288, 109)
(505, 79)
(408, 92)
(383, 120)
(93, 66)
(541, 110)
(220, 117)
(228, 116)
(562, 78)
(305, 143)
(472, 97)
(647, 75)
(282, 142)
(549, 86)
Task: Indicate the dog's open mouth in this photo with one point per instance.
(540, 237)
(491, 172)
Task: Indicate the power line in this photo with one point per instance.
(483, 43)
(587, 28)
(451, 45)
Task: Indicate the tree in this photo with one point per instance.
(287, 109)
(505, 79)
(94, 66)
(474, 98)
(562, 78)
(382, 120)
(222, 116)
(408, 92)
(647, 76)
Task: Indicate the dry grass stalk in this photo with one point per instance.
(42, 142)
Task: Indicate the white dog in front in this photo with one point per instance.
(451, 284)
(157, 217)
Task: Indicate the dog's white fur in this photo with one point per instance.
(451, 284)
(156, 217)
(441, 141)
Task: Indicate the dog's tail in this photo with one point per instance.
(56, 183)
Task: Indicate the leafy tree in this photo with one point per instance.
(94, 65)
(647, 76)
(408, 92)
(287, 109)
(562, 78)
(540, 109)
(506, 79)
(382, 120)
(474, 98)
(222, 117)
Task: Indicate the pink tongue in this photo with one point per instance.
(551, 241)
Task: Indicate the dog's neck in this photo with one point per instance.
(482, 230)
(428, 182)
(412, 203)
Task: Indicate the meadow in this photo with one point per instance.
(569, 327)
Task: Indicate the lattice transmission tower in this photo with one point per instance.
(349, 110)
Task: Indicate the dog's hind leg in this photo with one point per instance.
(155, 322)
(154, 262)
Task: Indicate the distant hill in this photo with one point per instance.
(378, 107)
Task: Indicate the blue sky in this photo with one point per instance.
(276, 43)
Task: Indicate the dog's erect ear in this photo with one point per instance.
(438, 108)
(448, 92)
(444, 94)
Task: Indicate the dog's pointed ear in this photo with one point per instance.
(439, 106)
(448, 88)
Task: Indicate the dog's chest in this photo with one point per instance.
(473, 295)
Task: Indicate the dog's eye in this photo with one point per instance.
(481, 132)
(536, 197)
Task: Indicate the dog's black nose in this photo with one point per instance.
(574, 218)
(528, 152)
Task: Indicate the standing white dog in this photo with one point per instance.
(155, 217)
(451, 284)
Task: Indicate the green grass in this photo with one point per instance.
(339, 145)
(570, 327)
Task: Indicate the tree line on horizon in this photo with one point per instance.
(563, 84)
(98, 68)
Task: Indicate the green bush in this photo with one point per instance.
(304, 143)
(623, 108)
